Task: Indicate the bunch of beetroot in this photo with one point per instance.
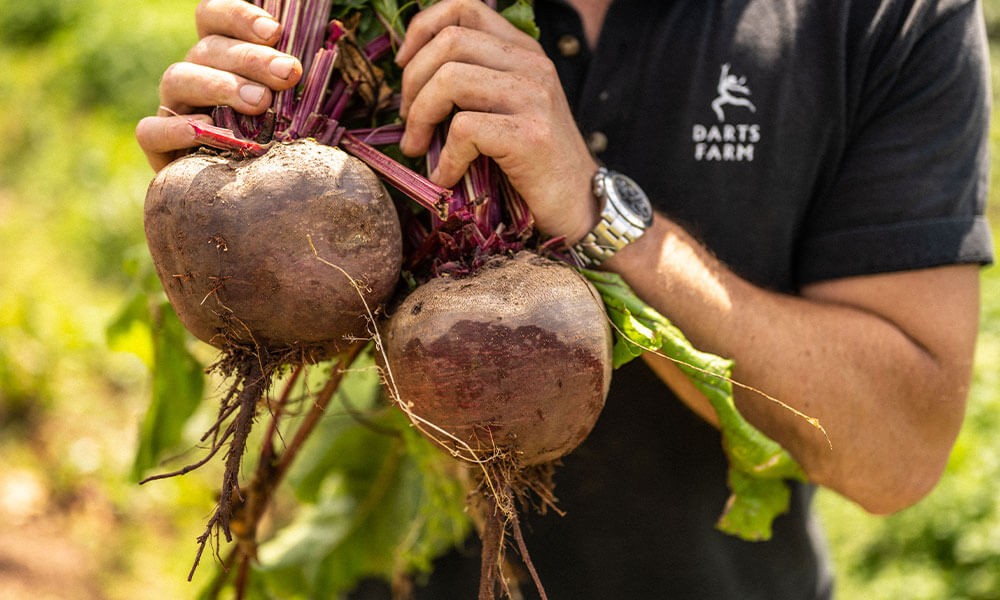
(279, 244)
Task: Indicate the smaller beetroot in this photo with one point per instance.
(515, 358)
(507, 368)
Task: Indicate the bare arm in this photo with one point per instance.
(883, 361)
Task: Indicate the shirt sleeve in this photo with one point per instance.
(911, 187)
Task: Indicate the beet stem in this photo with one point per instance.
(315, 86)
(224, 139)
(379, 136)
(418, 188)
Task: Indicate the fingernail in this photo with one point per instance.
(252, 93)
(434, 174)
(264, 27)
(282, 67)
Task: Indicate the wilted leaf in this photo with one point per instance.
(752, 506)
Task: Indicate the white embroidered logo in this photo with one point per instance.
(728, 85)
(727, 142)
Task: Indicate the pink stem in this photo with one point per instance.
(418, 188)
(224, 139)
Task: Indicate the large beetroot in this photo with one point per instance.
(235, 240)
(279, 248)
(237, 243)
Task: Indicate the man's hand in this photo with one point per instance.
(232, 64)
(459, 55)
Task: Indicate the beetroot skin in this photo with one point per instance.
(515, 358)
(230, 239)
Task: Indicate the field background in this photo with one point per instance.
(75, 76)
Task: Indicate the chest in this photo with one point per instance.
(730, 114)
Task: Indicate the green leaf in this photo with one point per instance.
(379, 501)
(752, 506)
(129, 331)
(758, 464)
(359, 393)
(177, 386)
(521, 14)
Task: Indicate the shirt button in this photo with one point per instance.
(569, 45)
(597, 141)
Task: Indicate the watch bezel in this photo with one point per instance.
(640, 220)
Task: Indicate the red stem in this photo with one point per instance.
(224, 139)
(418, 188)
(317, 411)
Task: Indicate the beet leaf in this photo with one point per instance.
(758, 465)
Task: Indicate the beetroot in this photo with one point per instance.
(246, 249)
(507, 368)
(516, 359)
(280, 249)
(232, 240)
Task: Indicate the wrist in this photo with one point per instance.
(625, 214)
(587, 222)
(586, 213)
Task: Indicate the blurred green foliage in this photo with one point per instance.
(33, 23)
(376, 501)
(76, 75)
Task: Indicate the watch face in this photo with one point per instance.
(633, 198)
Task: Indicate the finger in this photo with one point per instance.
(554, 181)
(467, 88)
(472, 14)
(458, 44)
(454, 161)
(187, 86)
(162, 138)
(470, 135)
(237, 19)
(259, 63)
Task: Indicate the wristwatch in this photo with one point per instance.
(625, 215)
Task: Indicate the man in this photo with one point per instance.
(818, 173)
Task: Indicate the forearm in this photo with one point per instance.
(890, 406)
